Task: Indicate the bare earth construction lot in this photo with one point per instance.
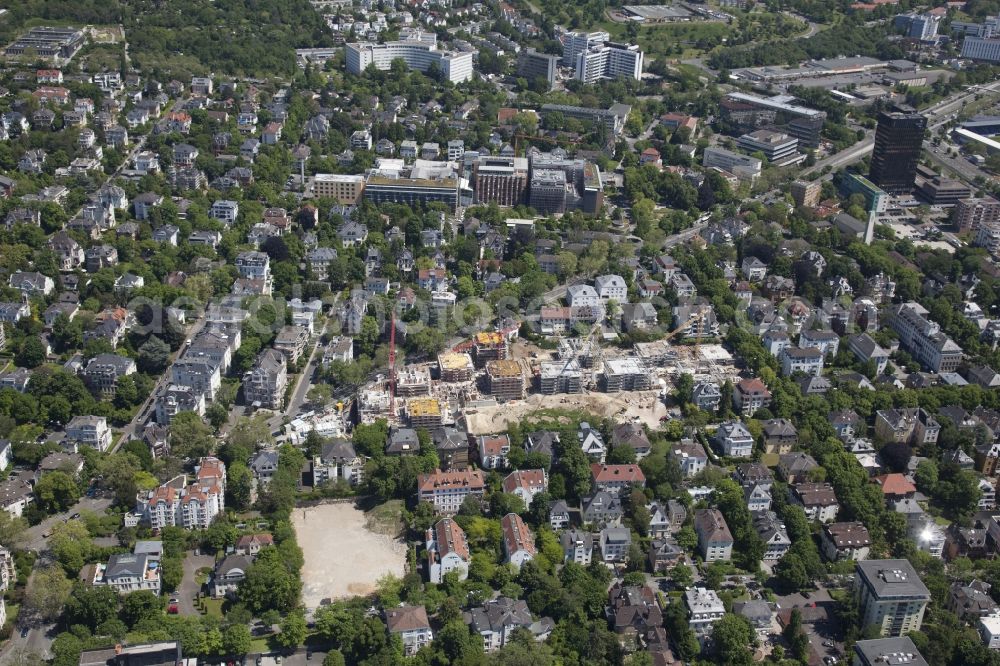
(342, 557)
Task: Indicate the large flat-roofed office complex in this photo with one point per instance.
(613, 117)
(417, 54)
(59, 44)
(533, 65)
(745, 113)
(777, 147)
(424, 182)
(343, 188)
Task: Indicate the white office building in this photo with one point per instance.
(743, 167)
(417, 54)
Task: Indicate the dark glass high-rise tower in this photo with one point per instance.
(899, 138)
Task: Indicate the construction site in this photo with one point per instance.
(496, 379)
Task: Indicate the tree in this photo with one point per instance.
(239, 483)
(153, 356)
(91, 606)
(140, 606)
(796, 636)
(269, 584)
(31, 353)
(791, 573)
(190, 436)
(56, 491)
(334, 658)
(293, 630)
(47, 593)
(71, 544)
(12, 529)
(236, 640)
(67, 334)
(733, 639)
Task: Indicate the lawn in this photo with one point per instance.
(210, 606)
(385, 518)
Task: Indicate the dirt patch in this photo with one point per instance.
(343, 558)
(644, 406)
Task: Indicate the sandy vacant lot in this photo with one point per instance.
(626, 406)
(342, 557)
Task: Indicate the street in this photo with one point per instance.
(134, 429)
(39, 638)
(34, 536)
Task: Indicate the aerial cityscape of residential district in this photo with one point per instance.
(499, 332)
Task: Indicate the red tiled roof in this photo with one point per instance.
(612, 473)
(894, 484)
(516, 534)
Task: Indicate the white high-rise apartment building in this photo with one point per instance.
(579, 42)
(609, 60)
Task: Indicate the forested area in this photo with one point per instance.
(184, 37)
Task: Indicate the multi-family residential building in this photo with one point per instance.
(192, 506)
(772, 532)
(818, 500)
(715, 541)
(705, 608)
(911, 425)
(923, 338)
(888, 651)
(497, 620)
(92, 431)
(447, 550)
(265, 383)
(749, 395)
(845, 541)
(129, 572)
(518, 542)
(447, 490)
(890, 595)
(733, 439)
(578, 546)
(616, 479)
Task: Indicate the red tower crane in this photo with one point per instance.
(392, 365)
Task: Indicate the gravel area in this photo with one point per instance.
(342, 557)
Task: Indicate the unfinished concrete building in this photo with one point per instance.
(455, 367)
(424, 413)
(413, 380)
(624, 374)
(561, 377)
(488, 346)
(505, 380)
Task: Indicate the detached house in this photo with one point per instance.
(734, 440)
(818, 500)
(493, 450)
(690, 456)
(410, 623)
(749, 395)
(526, 484)
(616, 479)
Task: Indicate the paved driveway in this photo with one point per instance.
(189, 585)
